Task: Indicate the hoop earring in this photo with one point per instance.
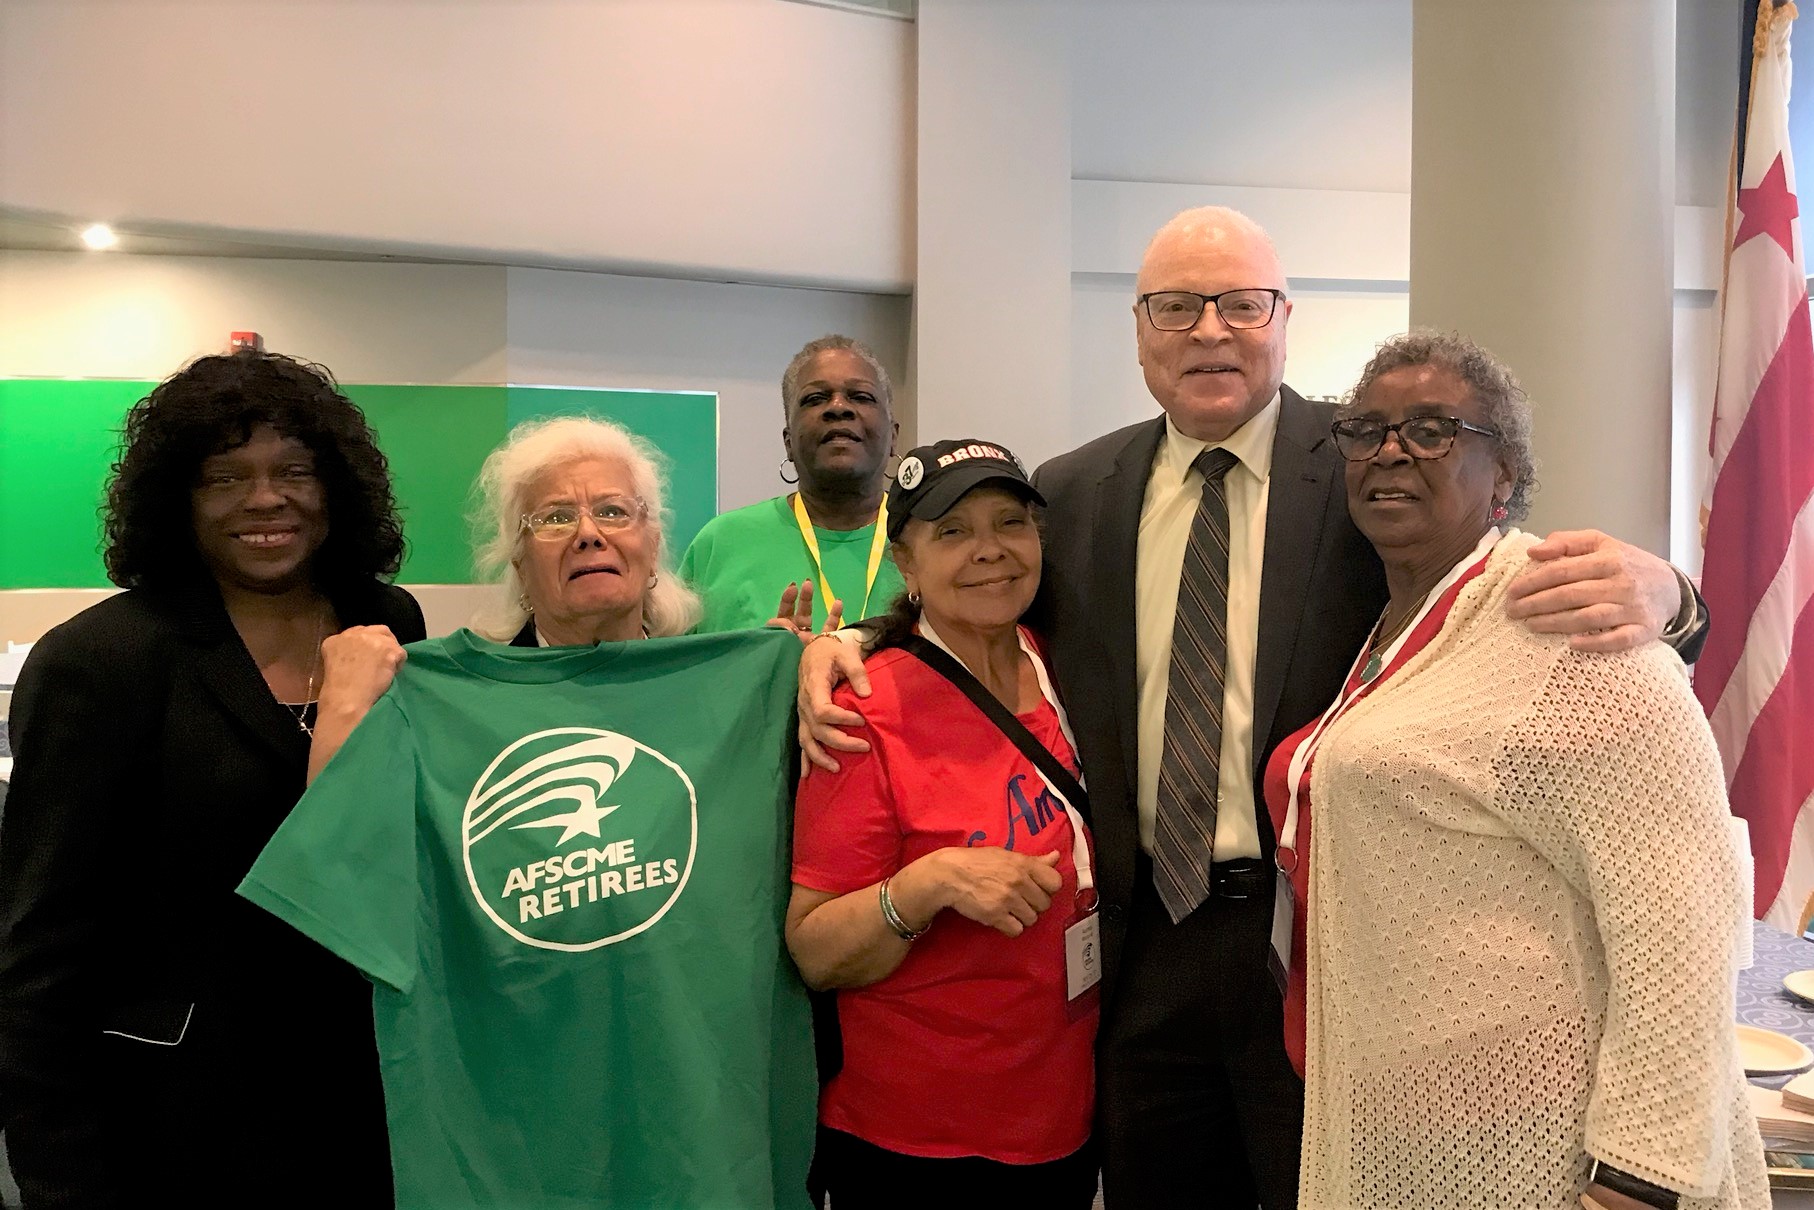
(522, 603)
(889, 472)
(782, 471)
(654, 578)
(913, 599)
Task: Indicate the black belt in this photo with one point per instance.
(1242, 878)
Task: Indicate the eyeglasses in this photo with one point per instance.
(559, 522)
(1424, 437)
(1179, 310)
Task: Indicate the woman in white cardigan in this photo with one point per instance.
(1513, 965)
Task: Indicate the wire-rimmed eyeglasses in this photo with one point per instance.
(559, 522)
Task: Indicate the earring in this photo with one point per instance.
(522, 603)
(654, 578)
(913, 599)
(1500, 511)
(782, 471)
(896, 459)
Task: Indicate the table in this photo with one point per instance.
(1763, 1002)
(1761, 999)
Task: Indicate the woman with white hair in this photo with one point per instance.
(557, 844)
(560, 585)
(569, 527)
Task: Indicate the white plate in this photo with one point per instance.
(1800, 984)
(1765, 1052)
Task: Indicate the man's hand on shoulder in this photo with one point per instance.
(1606, 595)
(830, 657)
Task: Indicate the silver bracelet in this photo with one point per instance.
(892, 918)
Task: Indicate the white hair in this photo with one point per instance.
(533, 449)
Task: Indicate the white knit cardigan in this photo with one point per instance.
(1523, 906)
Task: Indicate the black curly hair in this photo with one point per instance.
(213, 404)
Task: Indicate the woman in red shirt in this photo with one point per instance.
(941, 877)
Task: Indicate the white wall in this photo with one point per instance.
(114, 316)
(1323, 158)
(594, 330)
(1707, 40)
(1309, 94)
(624, 130)
(106, 315)
(993, 241)
(725, 139)
(1696, 355)
(1298, 114)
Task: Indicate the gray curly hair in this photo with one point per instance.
(1490, 380)
(790, 378)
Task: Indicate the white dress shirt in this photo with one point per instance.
(1173, 492)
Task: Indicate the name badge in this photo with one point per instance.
(1284, 911)
(1083, 956)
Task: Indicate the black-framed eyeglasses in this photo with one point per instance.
(1179, 310)
(1425, 437)
(559, 522)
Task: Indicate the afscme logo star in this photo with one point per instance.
(583, 818)
(582, 887)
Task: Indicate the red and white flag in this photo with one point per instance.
(1756, 675)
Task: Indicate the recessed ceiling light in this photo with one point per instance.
(99, 236)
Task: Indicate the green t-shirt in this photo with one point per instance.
(742, 560)
(565, 871)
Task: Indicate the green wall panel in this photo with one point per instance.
(59, 437)
(58, 440)
(435, 438)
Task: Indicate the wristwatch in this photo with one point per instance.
(1687, 617)
(1608, 1177)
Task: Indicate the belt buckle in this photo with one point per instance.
(1221, 885)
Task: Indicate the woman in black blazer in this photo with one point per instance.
(158, 1034)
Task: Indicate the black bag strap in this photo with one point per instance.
(947, 666)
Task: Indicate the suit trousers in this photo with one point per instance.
(1197, 1104)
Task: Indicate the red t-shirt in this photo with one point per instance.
(970, 1047)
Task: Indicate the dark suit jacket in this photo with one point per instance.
(157, 1031)
(1321, 589)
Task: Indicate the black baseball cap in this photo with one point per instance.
(933, 478)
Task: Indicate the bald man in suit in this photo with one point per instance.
(1197, 1102)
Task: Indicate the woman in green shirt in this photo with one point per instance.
(827, 536)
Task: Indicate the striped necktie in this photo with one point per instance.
(1184, 825)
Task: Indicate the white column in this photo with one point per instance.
(1542, 195)
(992, 301)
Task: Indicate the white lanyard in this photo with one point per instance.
(1353, 690)
(1080, 845)
(875, 552)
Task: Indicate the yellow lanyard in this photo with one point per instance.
(875, 553)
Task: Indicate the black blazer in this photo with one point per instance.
(1321, 589)
(157, 1031)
